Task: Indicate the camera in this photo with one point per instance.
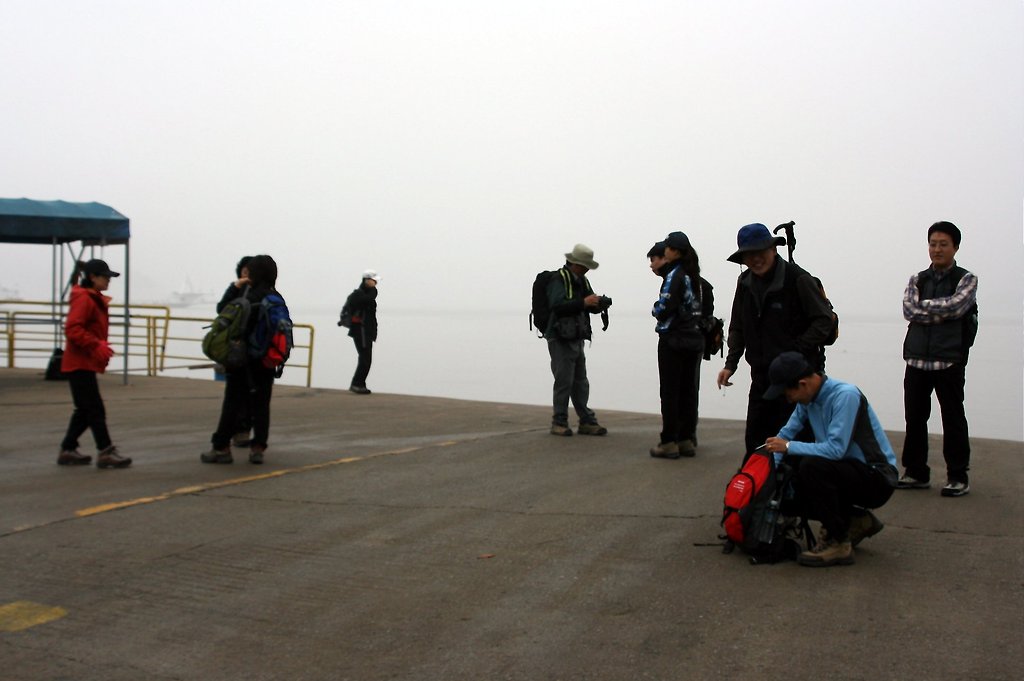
(603, 303)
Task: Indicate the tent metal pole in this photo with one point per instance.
(127, 309)
(53, 290)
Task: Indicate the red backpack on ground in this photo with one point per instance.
(754, 517)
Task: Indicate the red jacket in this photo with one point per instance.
(86, 331)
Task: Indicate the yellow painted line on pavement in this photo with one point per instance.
(196, 489)
(24, 614)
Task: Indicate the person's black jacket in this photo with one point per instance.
(362, 303)
(570, 318)
(784, 310)
(230, 294)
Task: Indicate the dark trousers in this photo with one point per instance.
(830, 491)
(678, 371)
(246, 391)
(89, 414)
(569, 369)
(948, 385)
(365, 351)
(765, 418)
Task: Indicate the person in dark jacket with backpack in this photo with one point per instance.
(571, 301)
(87, 354)
(678, 311)
(941, 307)
(777, 307)
(249, 388)
(234, 290)
(849, 467)
(362, 306)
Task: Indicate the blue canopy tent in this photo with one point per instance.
(61, 224)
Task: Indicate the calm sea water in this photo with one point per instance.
(493, 356)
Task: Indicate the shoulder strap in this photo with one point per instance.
(864, 436)
(566, 282)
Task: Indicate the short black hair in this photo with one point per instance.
(244, 262)
(262, 271)
(946, 228)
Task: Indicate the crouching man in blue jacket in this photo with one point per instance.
(849, 468)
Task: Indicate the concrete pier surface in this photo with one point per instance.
(402, 537)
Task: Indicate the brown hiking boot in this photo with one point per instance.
(594, 428)
(687, 448)
(73, 457)
(109, 458)
(564, 431)
(828, 553)
(864, 526)
(256, 454)
(665, 450)
(217, 456)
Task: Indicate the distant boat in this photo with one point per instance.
(9, 293)
(188, 295)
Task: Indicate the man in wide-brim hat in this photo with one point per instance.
(571, 301)
(777, 307)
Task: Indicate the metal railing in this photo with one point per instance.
(157, 341)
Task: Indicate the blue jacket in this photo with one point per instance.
(833, 416)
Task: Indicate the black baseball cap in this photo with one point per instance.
(785, 371)
(99, 268)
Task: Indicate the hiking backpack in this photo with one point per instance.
(271, 340)
(833, 335)
(540, 312)
(754, 515)
(225, 342)
(345, 319)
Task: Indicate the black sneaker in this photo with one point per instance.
(955, 488)
(359, 390)
(910, 482)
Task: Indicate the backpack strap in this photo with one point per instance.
(864, 436)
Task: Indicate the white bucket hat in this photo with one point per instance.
(582, 255)
(372, 274)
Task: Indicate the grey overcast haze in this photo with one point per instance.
(461, 146)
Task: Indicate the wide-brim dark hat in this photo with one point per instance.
(754, 237)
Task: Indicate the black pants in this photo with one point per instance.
(89, 411)
(365, 351)
(830, 491)
(679, 372)
(246, 391)
(948, 385)
(765, 418)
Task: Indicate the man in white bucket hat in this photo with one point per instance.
(572, 301)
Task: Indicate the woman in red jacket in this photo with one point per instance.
(86, 354)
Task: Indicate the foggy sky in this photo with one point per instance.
(460, 147)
